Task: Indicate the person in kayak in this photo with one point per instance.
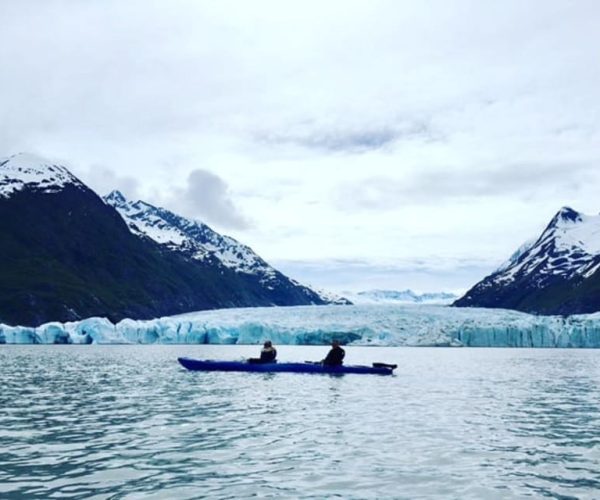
(267, 354)
(335, 357)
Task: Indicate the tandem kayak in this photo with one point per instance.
(243, 366)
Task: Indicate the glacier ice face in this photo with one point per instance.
(383, 325)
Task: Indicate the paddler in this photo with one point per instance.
(267, 354)
(335, 357)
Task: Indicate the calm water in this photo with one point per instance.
(128, 422)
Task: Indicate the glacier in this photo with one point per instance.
(381, 325)
(399, 297)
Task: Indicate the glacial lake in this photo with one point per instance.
(103, 421)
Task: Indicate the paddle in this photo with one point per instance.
(375, 365)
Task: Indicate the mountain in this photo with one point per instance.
(66, 255)
(399, 297)
(197, 241)
(558, 273)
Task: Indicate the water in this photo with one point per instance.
(128, 422)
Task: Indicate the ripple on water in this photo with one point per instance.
(128, 422)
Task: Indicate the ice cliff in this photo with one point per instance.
(426, 325)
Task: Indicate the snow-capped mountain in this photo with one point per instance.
(66, 254)
(399, 297)
(194, 238)
(199, 242)
(27, 171)
(555, 273)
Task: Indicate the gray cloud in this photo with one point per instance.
(340, 137)
(525, 181)
(206, 197)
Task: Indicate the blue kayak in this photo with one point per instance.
(243, 366)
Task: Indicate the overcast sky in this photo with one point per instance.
(353, 144)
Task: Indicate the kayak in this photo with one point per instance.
(243, 366)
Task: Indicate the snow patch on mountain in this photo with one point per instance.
(27, 171)
(516, 255)
(330, 297)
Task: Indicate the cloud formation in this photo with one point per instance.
(342, 138)
(206, 197)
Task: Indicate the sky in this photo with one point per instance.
(353, 144)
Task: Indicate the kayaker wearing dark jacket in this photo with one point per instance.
(335, 357)
(267, 355)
